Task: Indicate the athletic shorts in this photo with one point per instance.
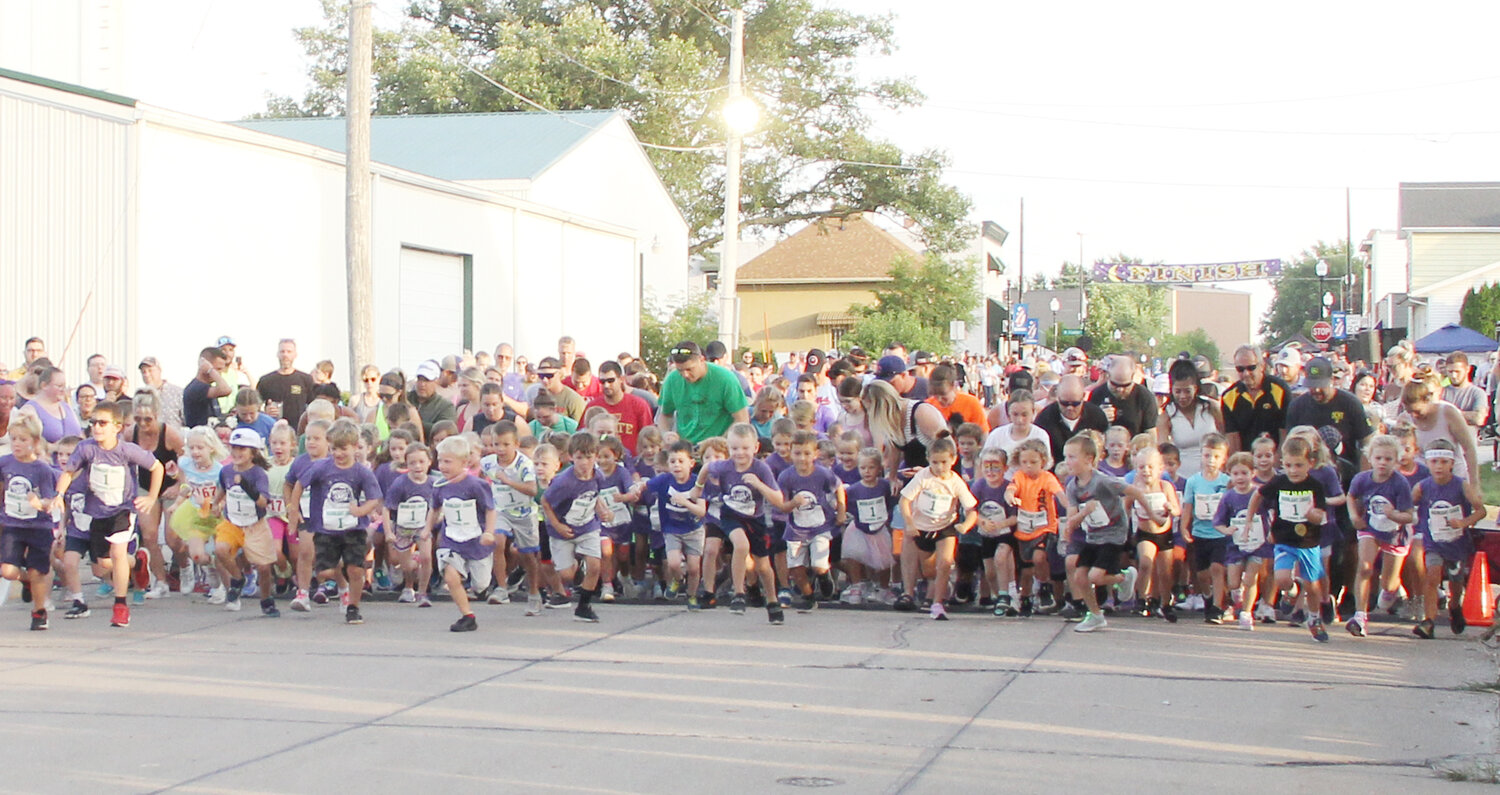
(755, 533)
(330, 550)
(105, 531)
(522, 532)
(1208, 551)
(402, 538)
(480, 572)
(1101, 556)
(812, 553)
(778, 536)
(256, 540)
(566, 550)
(969, 558)
(79, 545)
(927, 543)
(189, 523)
(27, 548)
(989, 545)
(1162, 541)
(1305, 562)
(278, 527)
(1397, 543)
(713, 530)
(689, 544)
(1026, 549)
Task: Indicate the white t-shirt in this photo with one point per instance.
(1001, 437)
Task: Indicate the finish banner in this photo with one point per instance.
(1186, 274)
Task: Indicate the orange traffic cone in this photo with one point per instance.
(1478, 610)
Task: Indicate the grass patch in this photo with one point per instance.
(1483, 771)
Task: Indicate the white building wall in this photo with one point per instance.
(1388, 262)
(66, 188)
(74, 41)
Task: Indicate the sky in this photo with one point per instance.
(1179, 132)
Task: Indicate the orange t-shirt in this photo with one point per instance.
(1037, 513)
(966, 408)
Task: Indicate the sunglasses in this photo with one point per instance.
(371, 380)
(101, 423)
(1246, 368)
(387, 395)
(546, 376)
(1070, 404)
(608, 380)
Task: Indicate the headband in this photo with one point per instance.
(1433, 455)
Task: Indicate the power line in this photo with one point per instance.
(1226, 130)
(638, 86)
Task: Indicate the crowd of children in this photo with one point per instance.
(781, 514)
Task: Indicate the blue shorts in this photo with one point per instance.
(1306, 561)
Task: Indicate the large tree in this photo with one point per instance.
(1298, 302)
(664, 63)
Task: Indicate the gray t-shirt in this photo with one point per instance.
(1106, 524)
(1466, 398)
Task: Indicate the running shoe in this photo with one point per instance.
(1125, 589)
(585, 613)
(557, 601)
(423, 600)
(1091, 622)
(784, 597)
(352, 616)
(1265, 614)
(853, 595)
(121, 615)
(607, 593)
(1045, 600)
(737, 604)
(268, 608)
(251, 588)
(1027, 609)
(105, 589)
(938, 612)
(1315, 628)
(1299, 617)
(301, 603)
(1247, 621)
(498, 596)
(217, 596)
(465, 624)
(38, 620)
(158, 591)
(1386, 600)
(407, 596)
(382, 580)
(1003, 607)
(142, 571)
(775, 615)
(1213, 615)
(806, 604)
(754, 597)
(137, 597)
(232, 603)
(693, 604)
(1424, 630)
(1356, 627)
(534, 605)
(1327, 612)
(80, 609)
(174, 578)
(1169, 613)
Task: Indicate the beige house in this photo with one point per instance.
(1223, 314)
(796, 295)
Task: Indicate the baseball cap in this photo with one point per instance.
(114, 372)
(246, 437)
(814, 361)
(715, 350)
(1028, 363)
(891, 366)
(225, 340)
(683, 351)
(1075, 356)
(149, 361)
(1319, 372)
(429, 370)
(858, 354)
(451, 362)
(1205, 367)
(1290, 356)
(921, 357)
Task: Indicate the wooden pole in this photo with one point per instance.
(357, 189)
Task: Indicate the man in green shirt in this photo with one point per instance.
(702, 399)
(432, 408)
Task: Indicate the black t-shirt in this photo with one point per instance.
(1136, 412)
(1287, 501)
(919, 390)
(1263, 416)
(1344, 412)
(197, 406)
(293, 391)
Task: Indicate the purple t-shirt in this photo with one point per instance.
(1442, 507)
(810, 520)
(466, 505)
(408, 503)
(21, 482)
(335, 493)
(1231, 514)
(848, 477)
(870, 506)
(739, 499)
(778, 465)
(675, 519)
(573, 499)
(240, 509)
(992, 504)
(610, 488)
(385, 475)
(1328, 478)
(76, 515)
(111, 476)
(1373, 496)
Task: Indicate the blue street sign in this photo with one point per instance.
(1018, 317)
(1033, 332)
(1340, 325)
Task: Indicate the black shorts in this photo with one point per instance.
(1162, 541)
(711, 529)
(1208, 551)
(836, 550)
(755, 532)
(103, 527)
(27, 548)
(970, 558)
(927, 542)
(544, 547)
(1101, 556)
(332, 549)
(1026, 550)
(79, 545)
(990, 545)
(778, 537)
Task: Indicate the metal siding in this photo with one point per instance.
(1436, 256)
(64, 231)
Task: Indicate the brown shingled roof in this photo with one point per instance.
(831, 251)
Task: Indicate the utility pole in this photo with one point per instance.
(357, 189)
(729, 252)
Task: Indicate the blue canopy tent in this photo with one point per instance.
(1454, 337)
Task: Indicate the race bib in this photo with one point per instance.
(581, 509)
(1156, 502)
(81, 520)
(1376, 512)
(18, 499)
(461, 519)
(1248, 535)
(305, 504)
(1442, 521)
(619, 512)
(276, 506)
(1292, 506)
(239, 508)
(740, 500)
(935, 504)
(107, 482)
(411, 514)
(337, 507)
(811, 515)
(1031, 521)
(1206, 505)
(872, 512)
(1097, 518)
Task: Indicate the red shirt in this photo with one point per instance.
(633, 415)
(594, 390)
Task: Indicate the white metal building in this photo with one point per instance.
(163, 232)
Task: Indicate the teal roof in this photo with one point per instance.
(455, 146)
(83, 91)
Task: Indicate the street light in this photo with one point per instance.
(1055, 305)
(1321, 269)
(740, 114)
(1152, 343)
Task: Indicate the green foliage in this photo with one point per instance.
(1195, 342)
(1298, 302)
(934, 290)
(662, 327)
(1481, 309)
(875, 330)
(1138, 311)
(664, 64)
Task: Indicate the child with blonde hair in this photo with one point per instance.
(1380, 505)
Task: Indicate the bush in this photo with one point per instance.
(662, 327)
(873, 332)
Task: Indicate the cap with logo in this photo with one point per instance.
(814, 361)
(429, 370)
(1319, 373)
(891, 366)
(451, 363)
(225, 340)
(1289, 356)
(921, 358)
(149, 361)
(246, 437)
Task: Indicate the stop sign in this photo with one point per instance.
(1322, 331)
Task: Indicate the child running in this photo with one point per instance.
(244, 488)
(1154, 542)
(1380, 505)
(573, 510)
(298, 503)
(1446, 507)
(466, 508)
(867, 545)
(813, 498)
(681, 517)
(742, 482)
(1210, 546)
(1298, 506)
(409, 502)
(1034, 492)
(996, 526)
(513, 486)
(1249, 548)
(930, 505)
(1101, 512)
(26, 522)
(344, 494)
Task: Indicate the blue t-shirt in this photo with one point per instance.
(22, 481)
(822, 486)
(739, 499)
(262, 424)
(1201, 496)
(408, 504)
(573, 499)
(240, 508)
(870, 506)
(335, 493)
(466, 505)
(675, 519)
